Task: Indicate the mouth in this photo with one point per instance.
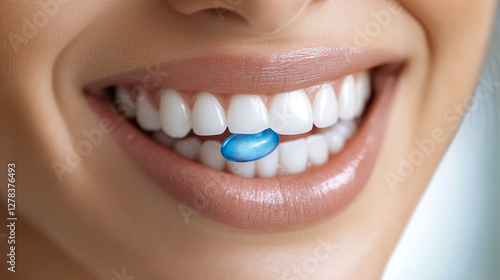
(328, 105)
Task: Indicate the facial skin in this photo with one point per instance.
(107, 214)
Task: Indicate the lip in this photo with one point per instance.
(257, 74)
(257, 203)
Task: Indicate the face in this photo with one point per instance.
(114, 113)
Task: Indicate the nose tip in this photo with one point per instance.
(261, 16)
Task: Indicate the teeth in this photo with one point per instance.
(293, 156)
(247, 114)
(209, 118)
(346, 128)
(268, 166)
(317, 149)
(175, 115)
(147, 116)
(125, 103)
(210, 155)
(363, 92)
(189, 147)
(163, 139)
(335, 140)
(243, 169)
(291, 113)
(347, 99)
(325, 107)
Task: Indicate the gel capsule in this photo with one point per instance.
(250, 147)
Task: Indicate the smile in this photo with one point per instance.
(329, 107)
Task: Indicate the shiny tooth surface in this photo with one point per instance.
(291, 113)
(247, 114)
(126, 104)
(243, 169)
(293, 156)
(335, 140)
(209, 118)
(189, 147)
(317, 149)
(325, 107)
(347, 99)
(175, 115)
(268, 166)
(163, 139)
(363, 91)
(147, 116)
(346, 128)
(210, 155)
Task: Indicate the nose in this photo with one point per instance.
(261, 16)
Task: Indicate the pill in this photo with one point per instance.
(250, 147)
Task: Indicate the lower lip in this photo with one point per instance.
(257, 203)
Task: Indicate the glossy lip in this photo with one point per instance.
(273, 73)
(258, 203)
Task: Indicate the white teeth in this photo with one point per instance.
(268, 166)
(209, 118)
(210, 155)
(363, 92)
(335, 141)
(346, 128)
(243, 169)
(147, 116)
(247, 114)
(347, 99)
(125, 103)
(189, 147)
(175, 115)
(325, 107)
(163, 139)
(293, 156)
(317, 149)
(291, 113)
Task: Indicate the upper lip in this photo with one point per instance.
(253, 74)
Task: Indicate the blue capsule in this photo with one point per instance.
(250, 147)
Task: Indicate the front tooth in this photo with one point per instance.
(347, 99)
(210, 155)
(209, 118)
(125, 103)
(189, 147)
(293, 155)
(247, 114)
(243, 169)
(317, 149)
(363, 92)
(147, 116)
(175, 115)
(268, 165)
(291, 113)
(325, 107)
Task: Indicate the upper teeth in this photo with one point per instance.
(287, 113)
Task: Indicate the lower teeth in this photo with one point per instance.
(289, 157)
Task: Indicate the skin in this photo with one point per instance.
(107, 215)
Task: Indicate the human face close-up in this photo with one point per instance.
(144, 134)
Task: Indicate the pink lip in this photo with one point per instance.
(274, 73)
(257, 203)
